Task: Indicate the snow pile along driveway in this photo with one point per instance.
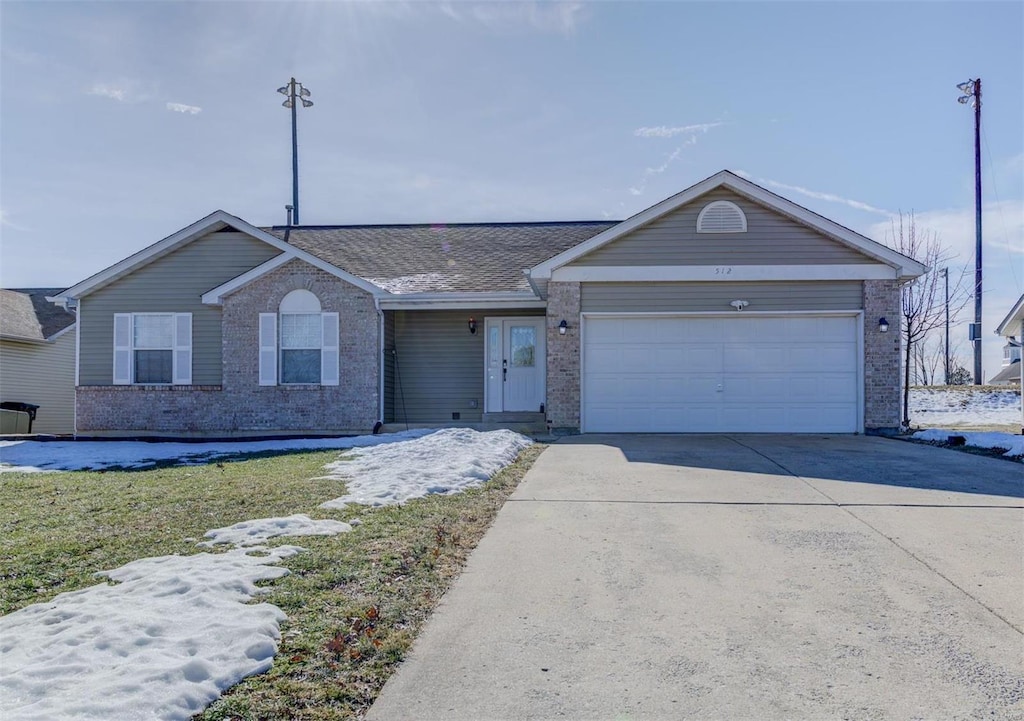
(447, 461)
(1013, 445)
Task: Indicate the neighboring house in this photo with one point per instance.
(1012, 327)
(37, 357)
(1009, 374)
(723, 308)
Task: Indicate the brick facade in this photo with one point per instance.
(563, 382)
(241, 405)
(881, 356)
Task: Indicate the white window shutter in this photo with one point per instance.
(268, 349)
(181, 363)
(329, 371)
(122, 349)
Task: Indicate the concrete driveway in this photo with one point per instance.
(735, 577)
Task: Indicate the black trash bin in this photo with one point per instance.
(24, 408)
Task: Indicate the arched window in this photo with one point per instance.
(721, 216)
(299, 343)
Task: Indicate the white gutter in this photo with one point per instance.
(461, 301)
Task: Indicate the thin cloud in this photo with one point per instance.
(6, 222)
(663, 131)
(182, 108)
(817, 194)
(549, 17)
(109, 91)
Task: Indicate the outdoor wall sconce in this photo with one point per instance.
(883, 325)
(472, 326)
(563, 327)
(739, 304)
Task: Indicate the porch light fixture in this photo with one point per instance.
(739, 304)
(883, 325)
(472, 326)
(563, 327)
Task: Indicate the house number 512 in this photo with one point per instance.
(725, 270)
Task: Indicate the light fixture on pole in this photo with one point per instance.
(295, 93)
(972, 94)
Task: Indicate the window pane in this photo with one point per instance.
(153, 366)
(524, 340)
(300, 366)
(154, 331)
(300, 330)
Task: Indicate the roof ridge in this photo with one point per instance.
(488, 224)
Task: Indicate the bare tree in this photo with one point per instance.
(922, 305)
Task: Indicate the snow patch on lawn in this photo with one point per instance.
(1013, 445)
(447, 461)
(163, 643)
(35, 456)
(964, 406)
(258, 531)
(176, 631)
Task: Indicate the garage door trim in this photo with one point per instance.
(858, 314)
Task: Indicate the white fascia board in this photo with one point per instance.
(1013, 319)
(461, 301)
(62, 331)
(214, 221)
(908, 267)
(216, 296)
(726, 273)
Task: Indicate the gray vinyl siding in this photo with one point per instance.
(715, 296)
(771, 239)
(439, 365)
(172, 284)
(389, 367)
(42, 374)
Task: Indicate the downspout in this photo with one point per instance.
(380, 359)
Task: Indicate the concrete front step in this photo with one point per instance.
(534, 428)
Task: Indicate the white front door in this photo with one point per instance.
(515, 364)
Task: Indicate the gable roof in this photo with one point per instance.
(446, 258)
(26, 314)
(905, 267)
(217, 220)
(1011, 323)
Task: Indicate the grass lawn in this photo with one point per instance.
(354, 602)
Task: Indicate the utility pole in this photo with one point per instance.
(296, 93)
(945, 277)
(972, 94)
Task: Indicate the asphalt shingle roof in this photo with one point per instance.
(25, 313)
(464, 257)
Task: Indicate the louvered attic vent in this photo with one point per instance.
(721, 216)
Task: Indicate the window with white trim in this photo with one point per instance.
(721, 216)
(299, 344)
(152, 349)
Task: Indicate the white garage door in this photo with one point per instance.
(743, 373)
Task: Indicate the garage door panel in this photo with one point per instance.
(743, 374)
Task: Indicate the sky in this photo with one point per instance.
(123, 122)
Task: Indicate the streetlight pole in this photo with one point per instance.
(296, 93)
(972, 94)
(945, 277)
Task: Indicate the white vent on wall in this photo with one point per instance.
(721, 216)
